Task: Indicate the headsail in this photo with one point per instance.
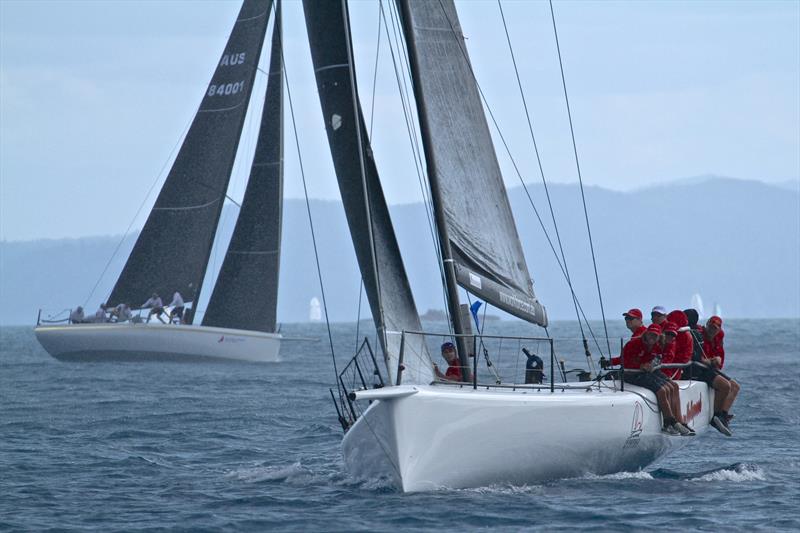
(383, 273)
(173, 248)
(246, 293)
(486, 250)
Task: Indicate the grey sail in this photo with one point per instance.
(246, 293)
(384, 275)
(174, 245)
(462, 163)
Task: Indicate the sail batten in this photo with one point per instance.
(463, 167)
(377, 251)
(246, 292)
(173, 248)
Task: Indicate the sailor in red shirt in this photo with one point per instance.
(638, 355)
(684, 347)
(712, 342)
(453, 372)
(666, 347)
(714, 353)
(633, 321)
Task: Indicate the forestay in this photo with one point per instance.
(383, 272)
(462, 163)
(246, 293)
(173, 248)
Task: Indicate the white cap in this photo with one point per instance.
(659, 309)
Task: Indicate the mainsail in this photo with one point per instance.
(378, 254)
(246, 293)
(463, 167)
(173, 248)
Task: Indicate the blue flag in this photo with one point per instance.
(474, 310)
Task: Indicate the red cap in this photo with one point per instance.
(717, 321)
(669, 327)
(635, 313)
(654, 328)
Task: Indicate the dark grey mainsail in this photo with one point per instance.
(173, 248)
(246, 293)
(462, 165)
(378, 254)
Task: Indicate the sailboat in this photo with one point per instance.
(401, 422)
(173, 249)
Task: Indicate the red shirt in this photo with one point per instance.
(684, 348)
(637, 333)
(714, 348)
(453, 371)
(667, 353)
(636, 353)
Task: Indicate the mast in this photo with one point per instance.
(451, 285)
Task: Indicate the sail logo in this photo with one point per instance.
(475, 280)
(231, 60)
(693, 409)
(637, 425)
(517, 302)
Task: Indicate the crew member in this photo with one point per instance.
(638, 355)
(156, 307)
(454, 369)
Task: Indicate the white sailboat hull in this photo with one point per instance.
(138, 342)
(447, 437)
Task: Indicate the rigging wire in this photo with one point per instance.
(538, 160)
(419, 166)
(364, 183)
(139, 210)
(371, 122)
(580, 179)
(516, 169)
(310, 220)
(544, 182)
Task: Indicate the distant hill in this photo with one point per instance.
(735, 242)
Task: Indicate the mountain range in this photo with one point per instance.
(734, 242)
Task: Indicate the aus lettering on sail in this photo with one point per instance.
(227, 89)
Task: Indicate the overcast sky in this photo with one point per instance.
(94, 97)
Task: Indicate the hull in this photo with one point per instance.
(449, 437)
(140, 342)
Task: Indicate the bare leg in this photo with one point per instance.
(726, 405)
(723, 388)
(675, 397)
(663, 402)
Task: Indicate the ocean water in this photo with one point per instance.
(241, 446)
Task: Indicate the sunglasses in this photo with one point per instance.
(630, 318)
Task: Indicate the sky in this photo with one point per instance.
(95, 97)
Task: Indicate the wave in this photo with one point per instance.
(257, 474)
(737, 472)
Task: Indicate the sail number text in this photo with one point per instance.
(225, 89)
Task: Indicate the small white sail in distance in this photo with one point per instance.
(697, 304)
(717, 310)
(314, 310)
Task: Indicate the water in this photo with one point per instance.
(238, 446)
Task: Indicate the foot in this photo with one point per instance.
(717, 423)
(684, 430)
(726, 419)
(670, 430)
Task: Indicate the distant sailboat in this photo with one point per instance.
(314, 310)
(697, 305)
(717, 310)
(173, 249)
